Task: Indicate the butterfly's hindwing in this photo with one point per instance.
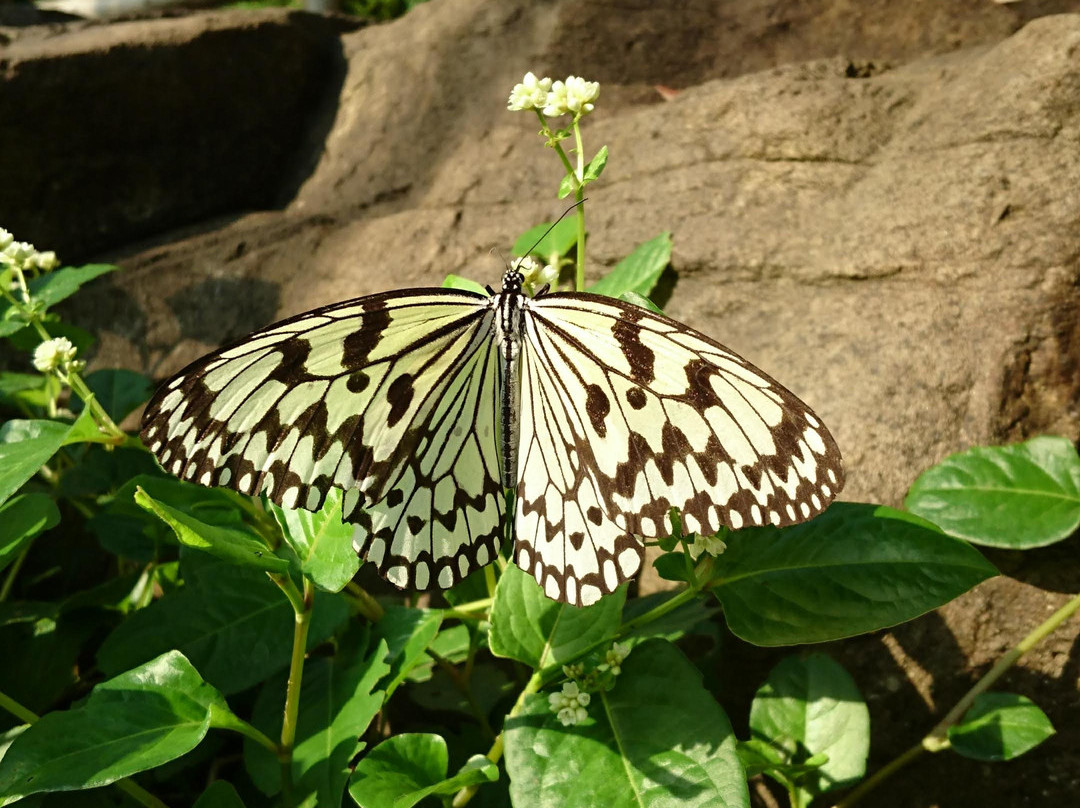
(443, 516)
(639, 414)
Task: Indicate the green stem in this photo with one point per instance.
(365, 603)
(496, 751)
(579, 198)
(9, 581)
(292, 693)
(938, 738)
(24, 714)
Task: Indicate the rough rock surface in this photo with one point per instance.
(884, 216)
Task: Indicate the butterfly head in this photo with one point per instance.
(512, 281)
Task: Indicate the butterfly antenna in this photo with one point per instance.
(553, 225)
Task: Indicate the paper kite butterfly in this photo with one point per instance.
(425, 405)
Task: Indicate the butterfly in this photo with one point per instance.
(425, 406)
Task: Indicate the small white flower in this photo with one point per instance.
(569, 704)
(18, 253)
(531, 93)
(53, 353)
(575, 671)
(573, 96)
(615, 656)
(706, 544)
(5, 238)
(46, 261)
(535, 274)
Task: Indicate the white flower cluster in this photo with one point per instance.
(575, 96)
(706, 544)
(615, 657)
(22, 255)
(536, 274)
(569, 704)
(53, 354)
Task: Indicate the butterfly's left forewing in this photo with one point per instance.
(350, 396)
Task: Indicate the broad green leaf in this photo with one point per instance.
(118, 390)
(562, 237)
(853, 569)
(219, 794)
(408, 633)
(238, 546)
(53, 287)
(640, 300)
(23, 388)
(26, 446)
(1000, 726)
(1021, 496)
(22, 519)
(451, 644)
(810, 706)
(321, 541)
(467, 284)
(338, 699)
(131, 723)
(404, 769)
(639, 271)
(528, 626)
(229, 620)
(596, 165)
(658, 738)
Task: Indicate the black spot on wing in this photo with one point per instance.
(400, 395)
(639, 356)
(598, 407)
(360, 343)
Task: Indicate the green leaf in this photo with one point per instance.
(22, 519)
(238, 546)
(404, 769)
(596, 165)
(465, 284)
(53, 287)
(658, 738)
(672, 567)
(26, 446)
(230, 621)
(119, 391)
(562, 237)
(1000, 726)
(640, 300)
(131, 723)
(338, 699)
(26, 389)
(567, 186)
(810, 706)
(639, 271)
(219, 794)
(1018, 497)
(528, 626)
(408, 633)
(321, 541)
(85, 430)
(853, 569)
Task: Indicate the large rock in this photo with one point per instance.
(112, 133)
(890, 231)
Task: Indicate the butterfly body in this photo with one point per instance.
(425, 405)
